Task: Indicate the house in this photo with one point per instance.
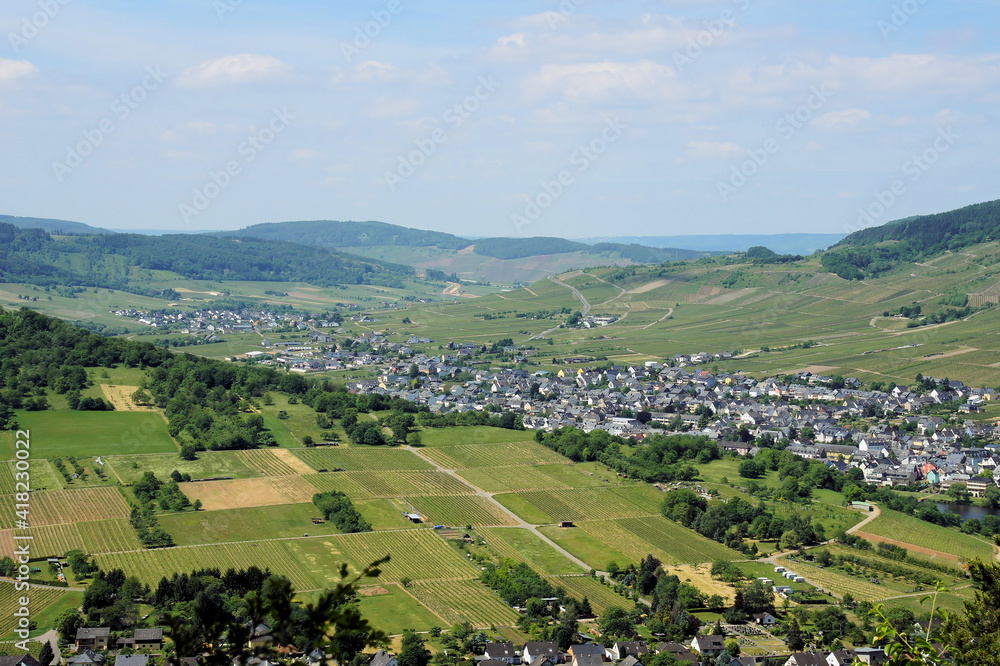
(261, 636)
(765, 619)
(840, 658)
(148, 639)
(622, 649)
(132, 660)
(708, 646)
(588, 660)
(677, 651)
(87, 658)
(806, 659)
(505, 652)
(383, 658)
(92, 638)
(535, 649)
(630, 661)
(19, 660)
(870, 655)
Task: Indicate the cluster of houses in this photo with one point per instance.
(91, 643)
(223, 321)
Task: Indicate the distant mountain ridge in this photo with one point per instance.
(781, 243)
(53, 226)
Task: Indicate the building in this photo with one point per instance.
(92, 638)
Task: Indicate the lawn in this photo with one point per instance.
(60, 434)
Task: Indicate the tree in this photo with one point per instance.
(413, 652)
(974, 636)
(793, 635)
(751, 469)
(615, 622)
(189, 452)
(46, 655)
(959, 493)
(991, 498)
(68, 623)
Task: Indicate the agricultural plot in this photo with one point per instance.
(927, 536)
(460, 510)
(459, 435)
(644, 496)
(55, 540)
(60, 507)
(41, 599)
(583, 504)
(411, 552)
(600, 596)
(839, 583)
(273, 462)
(507, 479)
(395, 609)
(493, 455)
(361, 458)
(525, 545)
(242, 493)
(391, 484)
(150, 565)
(591, 550)
(250, 524)
(209, 465)
(108, 536)
(666, 540)
(460, 600)
(43, 477)
(107, 433)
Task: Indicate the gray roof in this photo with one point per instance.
(93, 632)
(132, 660)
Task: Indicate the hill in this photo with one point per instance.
(33, 255)
(53, 226)
(780, 243)
(876, 250)
(497, 259)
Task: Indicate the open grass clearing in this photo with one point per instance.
(59, 434)
(209, 465)
(243, 493)
(525, 545)
(393, 609)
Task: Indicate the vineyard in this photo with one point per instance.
(108, 536)
(508, 479)
(492, 455)
(274, 462)
(415, 554)
(583, 504)
(668, 541)
(860, 588)
(209, 465)
(60, 507)
(391, 484)
(600, 596)
(41, 598)
(524, 544)
(361, 458)
(909, 530)
(460, 600)
(461, 510)
(55, 540)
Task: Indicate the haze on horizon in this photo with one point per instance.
(576, 118)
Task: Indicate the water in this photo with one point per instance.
(968, 511)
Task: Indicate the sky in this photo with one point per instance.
(572, 118)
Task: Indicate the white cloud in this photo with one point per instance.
(714, 149)
(837, 121)
(392, 107)
(11, 70)
(599, 81)
(235, 70)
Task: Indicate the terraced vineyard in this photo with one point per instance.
(460, 600)
(510, 479)
(416, 554)
(390, 484)
(361, 458)
(600, 596)
(41, 598)
(583, 504)
(493, 455)
(460, 510)
(668, 541)
(60, 507)
(909, 530)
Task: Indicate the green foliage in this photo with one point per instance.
(516, 582)
(339, 510)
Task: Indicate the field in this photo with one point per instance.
(932, 538)
(42, 602)
(248, 524)
(583, 504)
(469, 435)
(59, 507)
(209, 465)
(361, 458)
(390, 484)
(58, 433)
(395, 608)
(668, 541)
(274, 462)
(600, 596)
(242, 493)
(492, 455)
(460, 510)
(460, 600)
(526, 545)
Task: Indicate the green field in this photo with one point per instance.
(907, 529)
(665, 539)
(390, 484)
(522, 544)
(209, 465)
(361, 458)
(60, 434)
(470, 435)
(590, 549)
(460, 600)
(395, 608)
(253, 524)
(45, 604)
(493, 455)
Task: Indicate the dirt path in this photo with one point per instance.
(663, 318)
(517, 519)
(576, 292)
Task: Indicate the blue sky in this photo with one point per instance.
(575, 118)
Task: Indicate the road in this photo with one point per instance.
(516, 519)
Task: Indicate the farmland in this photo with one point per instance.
(361, 458)
(600, 596)
(526, 545)
(107, 433)
(460, 600)
(390, 484)
(209, 465)
(241, 493)
(907, 529)
(460, 510)
(45, 604)
(492, 455)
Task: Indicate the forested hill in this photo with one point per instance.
(333, 234)
(53, 226)
(876, 250)
(32, 255)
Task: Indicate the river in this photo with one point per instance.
(968, 511)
